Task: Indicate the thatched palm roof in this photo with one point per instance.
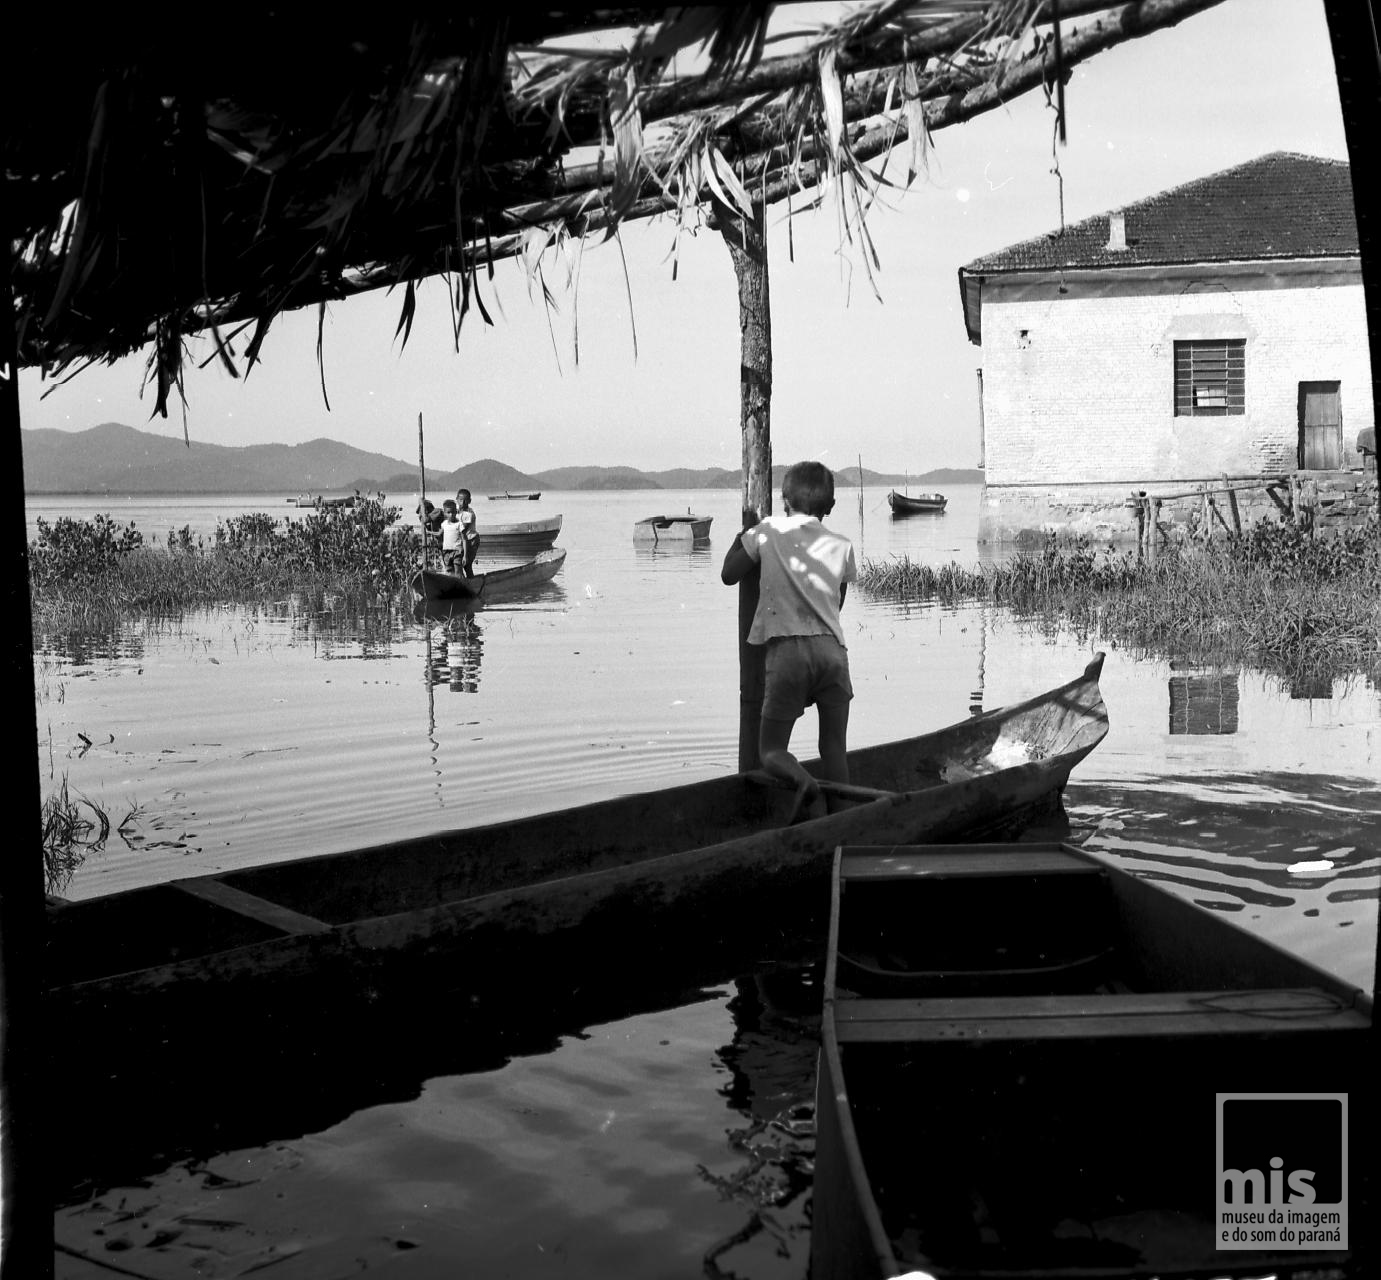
(161, 181)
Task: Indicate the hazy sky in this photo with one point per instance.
(892, 380)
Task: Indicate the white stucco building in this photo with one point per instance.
(1215, 330)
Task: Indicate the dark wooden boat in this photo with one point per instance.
(916, 504)
(310, 501)
(639, 871)
(656, 530)
(514, 497)
(437, 584)
(1022, 1048)
(525, 535)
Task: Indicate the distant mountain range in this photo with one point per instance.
(114, 458)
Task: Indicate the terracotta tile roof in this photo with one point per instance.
(1282, 205)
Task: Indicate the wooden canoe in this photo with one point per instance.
(436, 584)
(524, 535)
(917, 504)
(514, 497)
(1022, 1049)
(656, 530)
(656, 865)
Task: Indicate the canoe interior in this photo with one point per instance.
(1003, 770)
(1032, 1044)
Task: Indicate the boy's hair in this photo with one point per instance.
(448, 505)
(466, 492)
(809, 487)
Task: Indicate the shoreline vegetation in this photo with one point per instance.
(1275, 596)
(1298, 607)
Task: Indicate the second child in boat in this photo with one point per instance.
(470, 537)
(806, 570)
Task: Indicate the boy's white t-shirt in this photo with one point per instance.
(450, 535)
(803, 566)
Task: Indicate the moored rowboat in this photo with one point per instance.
(614, 869)
(1022, 1053)
(655, 530)
(437, 584)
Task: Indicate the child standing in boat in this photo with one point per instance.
(452, 548)
(806, 570)
(470, 535)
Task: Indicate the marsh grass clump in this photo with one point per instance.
(84, 573)
(73, 828)
(1274, 596)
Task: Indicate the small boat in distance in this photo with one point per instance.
(916, 504)
(655, 530)
(315, 501)
(526, 535)
(437, 584)
(514, 497)
(1023, 1044)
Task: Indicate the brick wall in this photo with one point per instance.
(1078, 373)
(1078, 405)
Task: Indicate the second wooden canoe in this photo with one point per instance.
(522, 536)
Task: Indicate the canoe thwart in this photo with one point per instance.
(912, 862)
(273, 914)
(873, 969)
(846, 790)
(1090, 1016)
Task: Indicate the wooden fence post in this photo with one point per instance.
(1232, 504)
(1153, 530)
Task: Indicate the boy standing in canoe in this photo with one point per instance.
(470, 536)
(806, 570)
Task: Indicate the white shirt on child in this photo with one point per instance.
(803, 566)
(450, 535)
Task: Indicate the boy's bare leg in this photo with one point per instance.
(834, 753)
(774, 738)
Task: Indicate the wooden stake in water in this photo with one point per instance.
(860, 504)
(422, 491)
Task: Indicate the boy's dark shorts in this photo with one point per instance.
(802, 670)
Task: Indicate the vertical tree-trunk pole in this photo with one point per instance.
(747, 241)
(23, 1097)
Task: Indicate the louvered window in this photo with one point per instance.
(1210, 378)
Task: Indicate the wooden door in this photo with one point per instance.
(1320, 426)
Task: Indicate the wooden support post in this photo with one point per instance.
(28, 1248)
(1232, 504)
(746, 239)
(1207, 514)
(1153, 530)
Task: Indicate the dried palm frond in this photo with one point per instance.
(288, 165)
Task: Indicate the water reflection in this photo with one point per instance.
(455, 648)
(1286, 853)
(1203, 702)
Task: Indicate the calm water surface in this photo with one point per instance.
(672, 1136)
